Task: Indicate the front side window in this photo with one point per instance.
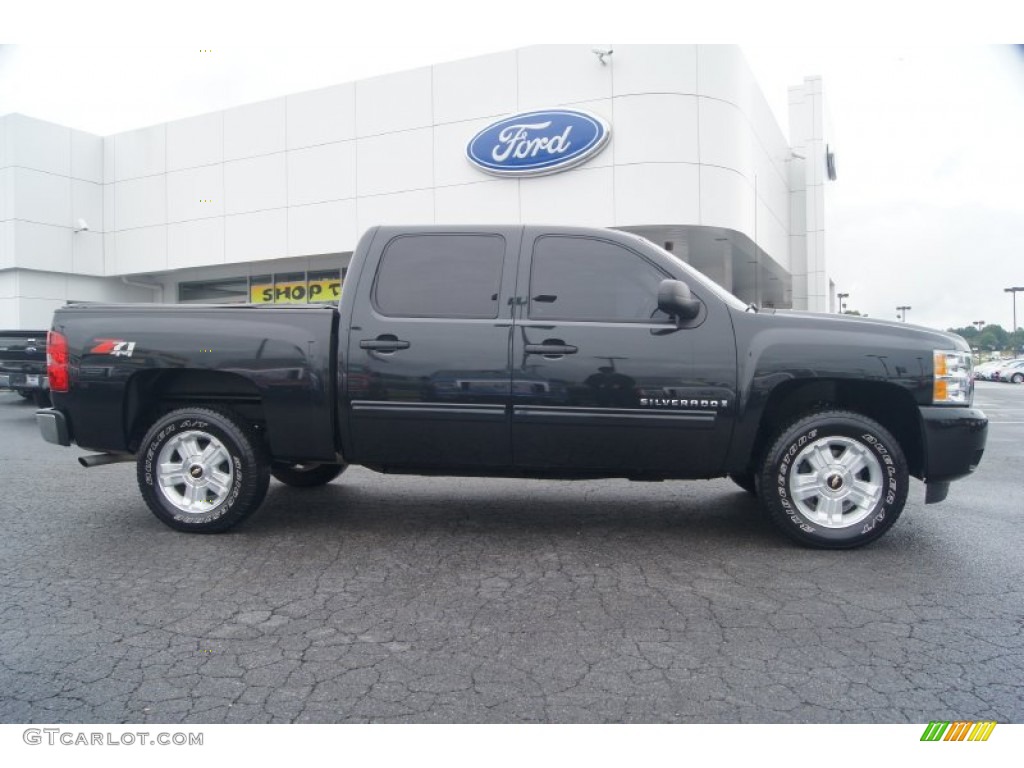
(578, 278)
(440, 276)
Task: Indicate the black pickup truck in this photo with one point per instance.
(23, 364)
(544, 352)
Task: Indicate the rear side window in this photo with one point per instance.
(440, 276)
(582, 279)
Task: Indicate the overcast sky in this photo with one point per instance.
(928, 210)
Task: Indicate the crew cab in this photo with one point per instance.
(23, 364)
(543, 352)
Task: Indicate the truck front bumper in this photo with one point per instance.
(53, 426)
(954, 442)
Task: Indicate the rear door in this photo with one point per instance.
(602, 379)
(428, 378)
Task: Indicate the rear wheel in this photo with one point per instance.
(1017, 378)
(201, 470)
(306, 475)
(834, 480)
(26, 393)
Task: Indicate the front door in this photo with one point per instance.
(603, 380)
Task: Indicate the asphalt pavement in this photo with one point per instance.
(408, 599)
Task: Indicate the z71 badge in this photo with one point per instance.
(115, 347)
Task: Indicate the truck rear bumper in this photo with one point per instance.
(954, 442)
(24, 381)
(53, 426)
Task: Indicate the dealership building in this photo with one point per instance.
(265, 202)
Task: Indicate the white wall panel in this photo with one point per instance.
(141, 202)
(726, 139)
(484, 86)
(321, 117)
(87, 253)
(86, 157)
(726, 200)
(195, 141)
(550, 75)
(41, 246)
(656, 129)
(723, 73)
(402, 208)
(772, 236)
(38, 144)
(42, 285)
(256, 184)
(320, 174)
(656, 193)
(394, 102)
(488, 202)
(654, 69)
(4, 151)
(87, 204)
(7, 193)
(255, 129)
(9, 315)
(140, 153)
(195, 243)
(140, 250)
(38, 313)
(109, 208)
(256, 236)
(43, 198)
(8, 287)
(109, 159)
(450, 163)
(396, 162)
(6, 245)
(584, 197)
(322, 228)
(197, 193)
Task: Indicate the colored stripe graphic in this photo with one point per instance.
(958, 730)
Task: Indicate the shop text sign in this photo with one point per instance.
(296, 292)
(538, 143)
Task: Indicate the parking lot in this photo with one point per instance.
(408, 599)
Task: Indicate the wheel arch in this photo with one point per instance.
(889, 404)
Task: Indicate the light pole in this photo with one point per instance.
(901, 312)
(1013, 291)
(980, 324)
(842, 301)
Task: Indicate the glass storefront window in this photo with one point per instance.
(233, 290)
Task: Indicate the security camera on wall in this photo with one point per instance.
(81, 226)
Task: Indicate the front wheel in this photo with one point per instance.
(834, 480)
(306, 475)
(202, 471)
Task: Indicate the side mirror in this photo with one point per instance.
(674, 298)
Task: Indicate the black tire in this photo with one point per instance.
(1017, 378)
(27, 394)
(745, 480)
(834, 480)
(306, 475)
(235, 472)
(42, 398)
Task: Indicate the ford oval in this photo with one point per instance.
(538, 143)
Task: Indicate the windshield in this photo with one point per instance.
(697, 278)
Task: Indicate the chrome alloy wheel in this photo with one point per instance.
(836, 482)
(194, 472)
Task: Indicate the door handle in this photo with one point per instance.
(385, 343)
(551, 347)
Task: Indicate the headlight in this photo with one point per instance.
(953, 384)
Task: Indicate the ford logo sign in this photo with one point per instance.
(538, 143)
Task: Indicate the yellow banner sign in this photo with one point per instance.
(296, 292)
